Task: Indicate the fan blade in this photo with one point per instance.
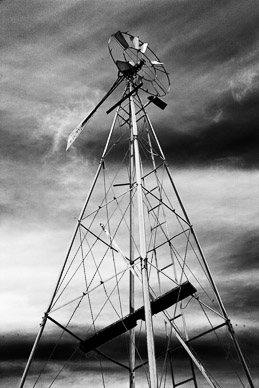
(136, 42)
(76, 132)
(156, 63)
(120, 38)
(143, 47)
(124, 67)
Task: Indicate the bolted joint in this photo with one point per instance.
(144, 263)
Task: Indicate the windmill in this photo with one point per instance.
(135, 296)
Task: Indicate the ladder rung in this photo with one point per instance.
(184, 382)
(167, 266)
(153, 208)
(150, 191)
(156, 226)
(177, 316)
(121, 184)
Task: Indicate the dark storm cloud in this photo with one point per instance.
(15, 348)
(216, 33)
(243, 253)
(226, 136)
(59, 56)
(242, 258)
(232, 139)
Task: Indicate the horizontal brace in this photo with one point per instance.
(179, 346)
(198, 336)
(207, 332)
(121, 184)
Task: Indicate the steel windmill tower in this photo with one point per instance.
(135, 294)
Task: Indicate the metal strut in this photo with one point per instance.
(142, 239)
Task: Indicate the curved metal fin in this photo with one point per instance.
(156, 63)
(136, 42)
(143, 47)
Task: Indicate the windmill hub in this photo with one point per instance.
(130, 70)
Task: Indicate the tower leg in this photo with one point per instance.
(26, 370)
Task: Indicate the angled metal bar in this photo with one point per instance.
(111, 359)
(107, 203)
(129, 267)
(81, 341)
(154, 170)
(64, 328)
(154, 207)
(98, 238)
(183, 382)
(157, 225)
(124, 98)
(168, 207)
(168, 240)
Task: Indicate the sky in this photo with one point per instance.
(55, 67)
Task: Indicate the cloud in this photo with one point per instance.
(80, 369)
(211, 36)
(56, 68)
(226, 134)
(245, 84)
